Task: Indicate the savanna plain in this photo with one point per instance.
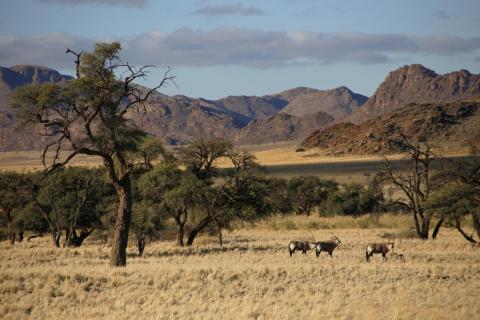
(251, 276)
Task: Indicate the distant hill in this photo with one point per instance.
(338, 102)
(13, 77)
(281, 127)
(13, 134)
(180, 119)
(416, 84)
(445, 125)
(289, 115)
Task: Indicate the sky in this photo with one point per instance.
(232, 47)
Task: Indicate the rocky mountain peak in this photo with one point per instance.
(39, 74)
(417, 84)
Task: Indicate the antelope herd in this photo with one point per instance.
(329, 246)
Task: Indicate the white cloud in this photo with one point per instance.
(228, 9)
(243, 47)
(119, 3)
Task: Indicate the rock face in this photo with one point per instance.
(417, 84)
(16, 76)
(288, 115)
(338, 102)
(13, 134)
(445, 125)
(281, 127)
(180, 119)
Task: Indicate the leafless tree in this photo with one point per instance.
(413, 182)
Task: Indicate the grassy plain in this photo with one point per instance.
(281, 160)
(250, 277)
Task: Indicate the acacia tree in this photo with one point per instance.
(413, 182)
(453, 204)
(241, 194)
(465, 174)
(199, 158)
(68, 201)
(13, 196)
(87, 115)
(308, 192)
(171, 191)
(200, 155)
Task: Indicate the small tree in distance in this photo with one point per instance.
(87, 115)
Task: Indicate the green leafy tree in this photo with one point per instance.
(88, 115)
(174, 192)
(241, 194)
(182, 201)
(68, 202)
(14, 195)
(352, 199)
(146, 222)
(280, 197)
(453, 204)
(308, 192)
(200, 155)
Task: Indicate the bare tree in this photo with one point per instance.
(87, 115)
(414, 183)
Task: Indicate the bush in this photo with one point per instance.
(351, 199)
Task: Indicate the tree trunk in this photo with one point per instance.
(220, 237)
(463, 233)
(425, 228)
(437, 229)
(11, 237)
(20, 235)
(180, 234)
(199, 227)
(76, 241)
(10, 228)
(56, 234)
(140, 244)
(35, 236)
(118, 255)
(476, 222)
(68, 236)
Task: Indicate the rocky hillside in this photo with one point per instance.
(16, 76)
(444, 125)
(281, 127)
(417, 84)
(338, 102)
(13, 134)
(180, 119)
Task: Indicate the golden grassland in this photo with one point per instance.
(32, 161)
(269, 154)
(250, 277)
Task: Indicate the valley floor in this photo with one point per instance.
(250, 277)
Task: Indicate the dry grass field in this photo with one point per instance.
(250, 277)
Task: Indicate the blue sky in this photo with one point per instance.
(220, 48)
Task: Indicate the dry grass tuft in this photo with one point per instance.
(250, 277)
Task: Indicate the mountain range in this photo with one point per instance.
(445, 125)
(289, 115)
